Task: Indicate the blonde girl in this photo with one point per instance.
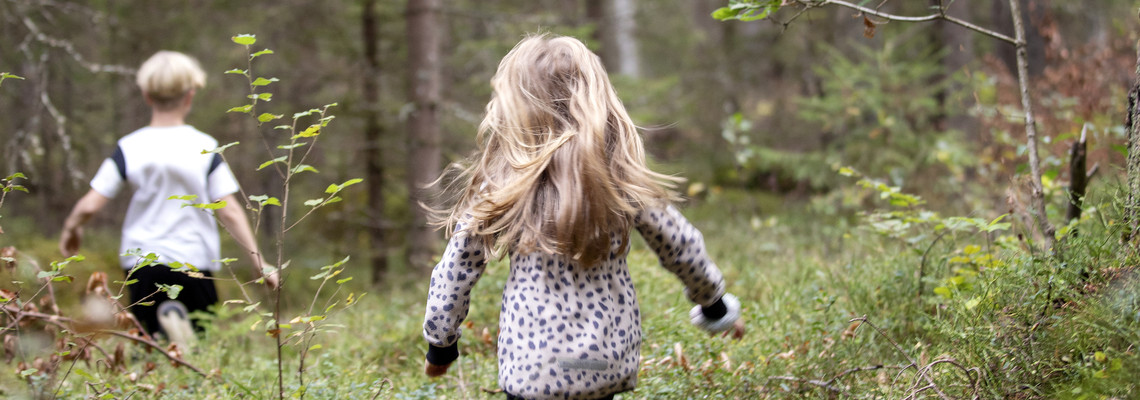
(558, 183)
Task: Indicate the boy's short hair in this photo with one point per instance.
(167, 76)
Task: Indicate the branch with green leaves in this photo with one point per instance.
(289, 161)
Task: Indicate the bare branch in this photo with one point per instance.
(69, 48)
(941, 15)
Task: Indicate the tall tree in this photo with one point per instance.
(615, 23)
(424, 81)
(373, 132)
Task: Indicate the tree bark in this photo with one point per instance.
(624, 42)
(1078, 178)
(614, 25)
(373, 132)
(423, 122)
(1038, 192)
(1132, 207)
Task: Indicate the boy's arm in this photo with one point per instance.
(681, 249)
(72, 235)
(449, 298)
(233, 218)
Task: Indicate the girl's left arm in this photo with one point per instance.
(449, 295)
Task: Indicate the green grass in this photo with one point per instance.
(1025, 327)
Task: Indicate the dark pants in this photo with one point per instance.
(197, 293)
(513, 397)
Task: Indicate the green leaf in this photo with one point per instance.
(244, 39)
(217, 205)
(266, 117)
(262, 81)
(28, 372)
(305, 113)
(62, 278)
(172, 291)
(303, 168)
(14, 176)
(237, 71)
(347, 183)
(46, 274)
(292, 146)
(242, 109)
(312, 130)
(313, 202)
(724, 14)
(271, 162)
(84, 374)
(1119, 148)
(340, 281)
(220, 149)
(325, 121)
(251, 307)
(265, 96)
(970, 304)
(283, 127)
(260, 53)
(187, 197)
(315, 347)
(272, 201)
(334, 199)
(226, 261)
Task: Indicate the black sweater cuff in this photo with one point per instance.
(442, 355)
(714, 311)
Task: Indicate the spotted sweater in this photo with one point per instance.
(564, 331)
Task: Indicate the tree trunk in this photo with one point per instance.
(1078, 177)
(624, 42)
(1132, 207)
(373, 131)
(423, 122)
(1038, 192)
(614, 23)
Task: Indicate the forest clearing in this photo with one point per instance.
(911, 200)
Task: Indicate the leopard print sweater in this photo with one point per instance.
(567, 332)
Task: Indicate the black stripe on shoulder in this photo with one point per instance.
(120, 162)
(214, 163)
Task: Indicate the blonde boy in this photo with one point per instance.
(155, 162)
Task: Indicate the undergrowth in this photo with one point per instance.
(832, 305)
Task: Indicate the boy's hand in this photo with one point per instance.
(434, 371)
(272, 279)
(69, 241)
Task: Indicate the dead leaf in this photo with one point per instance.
(868, 27)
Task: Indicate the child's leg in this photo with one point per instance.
(197, 294)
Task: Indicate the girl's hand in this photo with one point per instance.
(434, 371)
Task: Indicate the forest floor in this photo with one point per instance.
(992, 320)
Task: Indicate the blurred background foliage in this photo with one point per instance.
(759, 105)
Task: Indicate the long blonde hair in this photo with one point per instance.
(560, 166)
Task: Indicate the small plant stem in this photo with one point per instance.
(1038, 193)
(70, 367)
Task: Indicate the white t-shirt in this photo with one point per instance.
(156, 163)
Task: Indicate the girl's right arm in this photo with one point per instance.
(449, 297)
(681, 250)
